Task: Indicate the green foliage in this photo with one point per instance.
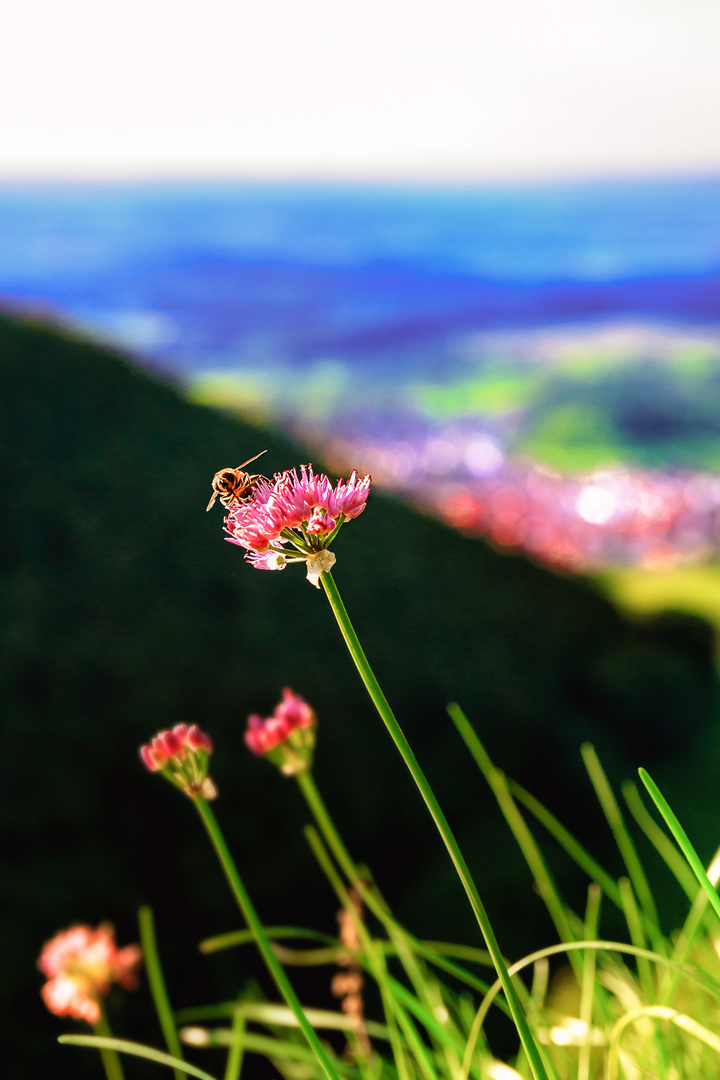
(586, 410)
(612, 1010)
(644, 413)
(122, 611)
(487, 394)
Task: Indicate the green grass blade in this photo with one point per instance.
(254, 923)
(311, 794)
(195, 1013)
(372, 958)
(432, 952)
(374, 961)
(111, 1061)
(124, 1046)
(268, 1012)
(374, 901)
(587, 979)
(626, 847)
(275, 933)
(660, 1012)
(445, 1035)
(690, 932)
(400, 1055)
(682, 840)
(660, 840)
(462, 952)
(568, 843)
(371, 895)
(526, 841)
(276, 1016)
(156, 980)
(264, 1045)
(427, 1003)
(420, 1051)
(695, 975)
(233, 1067)
(448, 837)
(632, 918)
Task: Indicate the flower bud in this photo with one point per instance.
(182, 756)
(320, 522)
(287, 738)
(151, 759)
(171, 744)
(199, 740)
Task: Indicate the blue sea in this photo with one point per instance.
(220, 276)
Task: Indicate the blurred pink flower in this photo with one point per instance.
(80, 965)
(287, 738)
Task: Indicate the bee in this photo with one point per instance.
(232, 486)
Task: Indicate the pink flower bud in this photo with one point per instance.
(176, 754)
(181, 730)
(277, 730)
(171, 744)
(274, 736)
(199, 740)
(297, 711)
(151, 759)
(320, 522)
(254, 741)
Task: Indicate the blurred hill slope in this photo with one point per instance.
(122, 611)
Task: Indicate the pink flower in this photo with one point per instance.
(294, 517)
(349, 497)
(80, 965)
(182, 756)
(287, 738)
(320, 522)
(268, 560)
(257, 522)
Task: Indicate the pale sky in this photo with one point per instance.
(380, 88)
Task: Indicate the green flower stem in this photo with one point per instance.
(396, 733)
(371, 894)
(405, 944)
(156, 980)
(251, 918)
(313, 798)
(110, 1059)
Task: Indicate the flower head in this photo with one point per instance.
(182, 756)
(80, 965)
(287, 738)
(294, 517)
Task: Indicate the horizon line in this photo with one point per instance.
(347, 178)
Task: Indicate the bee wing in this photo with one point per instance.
(212, 500)
(252, 459)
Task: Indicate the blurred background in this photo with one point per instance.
(472, 249)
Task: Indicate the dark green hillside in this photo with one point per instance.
(122, 611)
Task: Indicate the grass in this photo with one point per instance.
(646, 1004)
